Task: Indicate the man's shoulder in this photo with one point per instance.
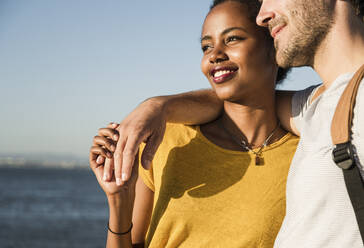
(301, 98)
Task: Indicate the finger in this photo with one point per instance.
(118, 159)
(109, 132)
(150, 149)
(98, 150)
(113, 125)
(134, 173)
(100, 160)
(99, 171)
(92, 160)
(108, 167)
(130, 151)
(106, 142)
(135, 170)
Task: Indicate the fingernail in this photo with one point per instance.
(123, 176)
(109, 155)
(105, 177)
(116, 137)
(99, 160)
(112, 147)
(118, 181)
(114, 125)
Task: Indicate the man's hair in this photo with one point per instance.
(359, 8)
(254, 6)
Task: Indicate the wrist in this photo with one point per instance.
(160, 104)
(122, 200)
(120, 213)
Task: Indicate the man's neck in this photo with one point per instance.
(343, 49)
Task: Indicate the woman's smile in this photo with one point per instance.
(221, 74)
(235, 51)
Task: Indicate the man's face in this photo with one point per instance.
(298, 28)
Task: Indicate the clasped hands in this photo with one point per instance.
(114, 153)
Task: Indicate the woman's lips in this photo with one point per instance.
(223, 77)
(223, 74)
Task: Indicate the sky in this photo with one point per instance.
(69, 67)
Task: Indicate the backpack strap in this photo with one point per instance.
(344, 152)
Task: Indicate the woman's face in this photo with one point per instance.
(238, 58)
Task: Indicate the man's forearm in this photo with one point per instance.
(194, 107)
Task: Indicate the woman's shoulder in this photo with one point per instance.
(179, 134)
(180, 129)
(286, 142)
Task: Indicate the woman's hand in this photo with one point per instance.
(104, 144)
(102, 162)
(120, 197)
(109, 186)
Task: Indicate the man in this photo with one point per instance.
(327, 35)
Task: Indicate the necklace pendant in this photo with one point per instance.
(259, 160)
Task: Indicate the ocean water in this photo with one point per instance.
(51, 208)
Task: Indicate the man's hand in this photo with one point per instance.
(145, 124)
(116, 146)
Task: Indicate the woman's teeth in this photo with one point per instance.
(220, 73)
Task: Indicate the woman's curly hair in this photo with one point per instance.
(254, 6)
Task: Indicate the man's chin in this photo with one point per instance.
(291, 59)
(283, 61)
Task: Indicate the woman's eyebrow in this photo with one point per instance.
(234, 28)
(208, 37)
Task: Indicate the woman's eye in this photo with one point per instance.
(205, 48)
(234, 38)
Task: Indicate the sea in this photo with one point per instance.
(51, 208)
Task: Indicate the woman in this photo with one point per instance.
(221, 184)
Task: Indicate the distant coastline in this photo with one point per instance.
(43, 160)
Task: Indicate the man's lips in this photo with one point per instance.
(274, 31)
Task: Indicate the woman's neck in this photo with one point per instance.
(254, 123)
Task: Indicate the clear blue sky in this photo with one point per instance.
(68, 67)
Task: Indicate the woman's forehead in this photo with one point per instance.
(229, 14)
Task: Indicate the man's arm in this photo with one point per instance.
(147, 123)
(191, 108)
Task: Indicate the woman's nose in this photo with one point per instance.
(218, 56)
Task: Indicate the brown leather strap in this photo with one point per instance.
(343, 117)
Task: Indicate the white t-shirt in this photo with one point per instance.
(319, 212)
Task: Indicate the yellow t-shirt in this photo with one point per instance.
(207, 196)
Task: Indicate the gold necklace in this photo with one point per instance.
(259, 160)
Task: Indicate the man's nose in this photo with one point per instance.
(264, 16)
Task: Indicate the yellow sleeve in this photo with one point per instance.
(146, 175)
